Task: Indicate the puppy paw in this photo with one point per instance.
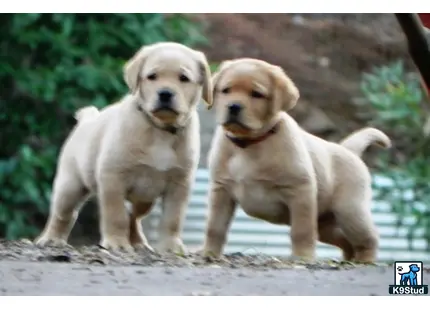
(143, 246)
(302, 258)
(208, 253)
(172, 245)
(139, 242)
(116, 244)
(46, 240)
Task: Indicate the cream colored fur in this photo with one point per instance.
(358, 141)
(86, 113)
(321, 189)
(122, 155)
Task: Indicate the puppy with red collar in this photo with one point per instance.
(262, 160)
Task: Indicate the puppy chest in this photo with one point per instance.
(242, 168)
(161, 155)
(261, 202)
(239, 170)
(146, 184)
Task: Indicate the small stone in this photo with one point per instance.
(26, 241)
(298, 20)
(324, 62)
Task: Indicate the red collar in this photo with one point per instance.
(245, 142)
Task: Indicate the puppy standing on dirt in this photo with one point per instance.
(143, 147)
(261, 159)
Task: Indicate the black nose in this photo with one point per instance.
(234, 109)
(165, 95)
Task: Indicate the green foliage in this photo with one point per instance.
(51, 65)
(213, 66)
(399, 100)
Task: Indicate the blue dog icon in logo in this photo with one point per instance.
(410, 276)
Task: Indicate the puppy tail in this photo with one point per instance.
(359, 141)
(86, 113)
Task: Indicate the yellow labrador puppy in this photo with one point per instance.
(261, 159)
(143, 147)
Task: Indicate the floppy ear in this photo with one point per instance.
(132, 67)
(217, 74)
(286, 93)
(205, 75)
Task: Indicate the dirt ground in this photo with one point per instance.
(28, 270)
(23, 278)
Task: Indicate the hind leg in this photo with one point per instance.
(355, 220)
(67, 197)
(137, 236)
(333, 235)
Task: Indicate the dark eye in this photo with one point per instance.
(225, 90)
(183, 78)
(256, 94)
(152, 77)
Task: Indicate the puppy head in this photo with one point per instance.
(249, 93)
(170, 80)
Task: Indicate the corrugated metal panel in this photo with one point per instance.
(251, 235)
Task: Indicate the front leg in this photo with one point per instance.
(302, 203)
(138, 211)
(174, 204)
(221, 212)
(114, 218)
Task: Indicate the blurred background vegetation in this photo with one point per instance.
(52, 64)
(400, 104)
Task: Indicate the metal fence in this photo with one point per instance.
(254, 236)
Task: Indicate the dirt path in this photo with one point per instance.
(26, 269)
(32, 278)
